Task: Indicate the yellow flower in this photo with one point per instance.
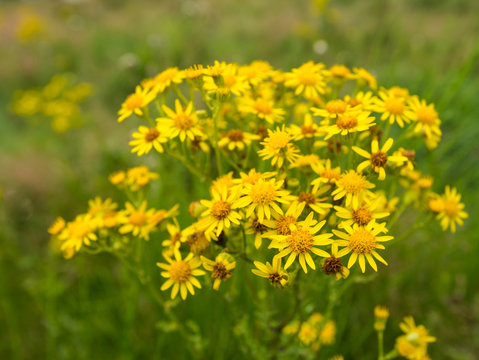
(332, 109)
(80, 231)
(393, 108)
(135, 103)
(426, 117)
(308, 80)
(309, 129)
(364, 101)
(278, 146)
(252, 177)
(332, 265)
(136, 220)
(453, 210)
(263, 108)
(164, 79)
(137, 177)
(274, 273)
(327, 174)
(220, 268)
(237, 139)
(183, 122)
(413, 344)
(57, 226)
(256, 72)
(361, 242)
(117, 177)
(234, 83)
(147, 138)
(381, 314)
(181, 274)
(352, 121)
(262, 198)
(198, 239)
(219, 213)
(254, 227)
(364, 78)
(353, 186)
(281, 224)
(173, 244)
(339, 72)
(362, 214)
(378, 158)
(306, 162)
(314, 201)
(302, 242)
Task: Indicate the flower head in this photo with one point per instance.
(276, 275)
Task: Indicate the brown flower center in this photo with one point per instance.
(235, 135)
(220, 271)
(307, 198)
(151, 135)
(300, 241)
(362, 216)
(220, 209)
(180, 271)
(347, 122)
(332, 265)
(379, 159)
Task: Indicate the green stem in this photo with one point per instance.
(380, 345)
(215, 140)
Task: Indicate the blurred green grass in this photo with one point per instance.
(90, 307)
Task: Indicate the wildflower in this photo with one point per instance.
(80, 231)
(309, 129)
(314, 201)
(381, 314)
(332, 109)
(306, 162)
(220, 268)
(332, 265)
(237, 139)
(302, 242)
(173, 244)
(353, 186)
(281, 224)
(362, 242)
(147, 138)
(256, 72)
(393, 108)
(262, 198)
(278, 146)
(182, 122)
(181, 274)
(339, 72)
(308, 80)
(254, 227)
(135, 103)
(117, 177)
(274, 273)
(138, 177)
(231, 81)
(364, 78)
(57, 226)
(327, 174)
(452, 212)
(350, 122)
(136, 220)
(364, 101)
(103, 211)
(413, 344)
(426, 117)
(362, 214)
(378, 158)
(219, 213)
(164, 79)
(263, 108)
(252, 177)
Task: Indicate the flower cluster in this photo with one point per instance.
(58, 101)
(302, 168)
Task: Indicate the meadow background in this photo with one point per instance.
(91, 307)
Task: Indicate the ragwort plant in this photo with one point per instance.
(308, 172)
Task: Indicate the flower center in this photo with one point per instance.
(235, 135)
(283, 223)
(151, 135)
(220, 209)
(426, 115)
(279, 140)
(257, 227)
(137, 218)
(354, 102)
(394, 105)
(133, 102)
(332, 265)
(306, 77)
(308, 130)
(180, 271)
(339, 71)
(379, 159)
(275, 278)
(362, 241)
(409, 154)
(263, 106)
(183, 121)
(352, 182)
(307, 198)
(347, 122)
(220, 271)
(300, 241)
(198, 242)
(336, 106)
(451, 208)
(362, 216)
(263, 193)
